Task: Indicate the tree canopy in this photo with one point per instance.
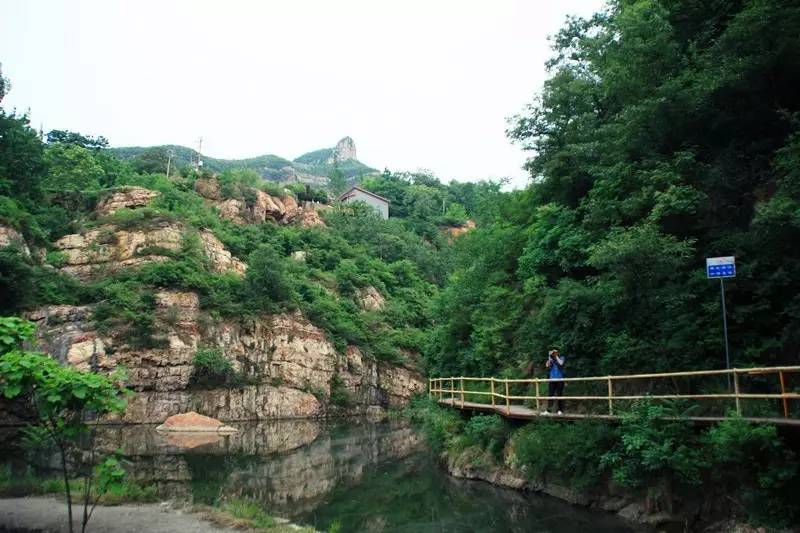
(666, 133)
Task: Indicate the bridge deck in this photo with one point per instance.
(525, 413)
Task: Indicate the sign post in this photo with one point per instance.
(722, 267)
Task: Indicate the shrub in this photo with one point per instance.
(752, 462)
(340, 396)
(441, 427)
(250, 511)
(490, 432)
(56, 258)
(269, 286)
(210, 368)
(572, 452)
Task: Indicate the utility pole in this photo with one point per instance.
(199, 162)
(169, 160)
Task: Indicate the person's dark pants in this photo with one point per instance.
(556, 388)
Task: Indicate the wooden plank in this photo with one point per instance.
(785, 397)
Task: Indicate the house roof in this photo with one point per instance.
(349, 192)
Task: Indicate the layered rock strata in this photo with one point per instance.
(109, 248)
(288, 363)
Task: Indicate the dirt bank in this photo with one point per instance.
(42, 513)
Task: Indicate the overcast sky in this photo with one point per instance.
(417, 84)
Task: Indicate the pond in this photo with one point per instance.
(367, 476)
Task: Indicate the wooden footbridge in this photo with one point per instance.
(756, 394)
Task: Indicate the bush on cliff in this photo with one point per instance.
(571, 453)
(211, 369)
(490, 432)
(755, 463)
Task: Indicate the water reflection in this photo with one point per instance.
(368, 476)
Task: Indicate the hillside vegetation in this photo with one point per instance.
(666, 132)
(269, 167)
(49, 190)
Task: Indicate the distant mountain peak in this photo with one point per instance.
(344, 151)
(312, 167)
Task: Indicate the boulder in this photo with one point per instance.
(208, 188)
(11, 237)
(125, 197)
(370, 299)
(194, 422)
(221, 259)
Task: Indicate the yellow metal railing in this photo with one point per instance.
(457, 389)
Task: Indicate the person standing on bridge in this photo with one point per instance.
(555, 368)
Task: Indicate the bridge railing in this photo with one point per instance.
(500, 392)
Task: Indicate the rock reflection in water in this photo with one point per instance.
(289, 465)
(367, 476)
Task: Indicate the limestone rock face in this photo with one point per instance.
(221, 259)
(11, 237)
(249, 403)
(310, 217)
(66, 332)
(301, 355)
(208, 188)
(399, 383)
(126, 197)
(261, 208)
(370, 299)
(289, 363)
(345, 150)
(108, 248)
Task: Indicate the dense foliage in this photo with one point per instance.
(63, 400)
(666, 133)
(50, 189)
(654, 452)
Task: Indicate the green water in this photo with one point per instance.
(365, 476)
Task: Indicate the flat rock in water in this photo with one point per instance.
(195, 422)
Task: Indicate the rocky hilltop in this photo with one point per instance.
(311, 168)
(289, 367)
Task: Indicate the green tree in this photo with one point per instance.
(21, 157)
(337, 181)
(71, 137)
(5, 85)
(72, 167)
(63, 400)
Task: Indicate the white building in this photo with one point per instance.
(357, 194)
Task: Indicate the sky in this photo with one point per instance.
(418, 84)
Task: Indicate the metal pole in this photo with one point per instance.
(725, 329)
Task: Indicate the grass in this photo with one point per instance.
(29, 484)
(247, 514)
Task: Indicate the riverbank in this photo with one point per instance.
(665, 474)
(46, 513)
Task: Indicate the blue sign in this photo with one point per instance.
(721, 267)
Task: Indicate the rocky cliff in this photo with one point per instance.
(345, 150)
(289, 363)
(260, 206)
(286, 365)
